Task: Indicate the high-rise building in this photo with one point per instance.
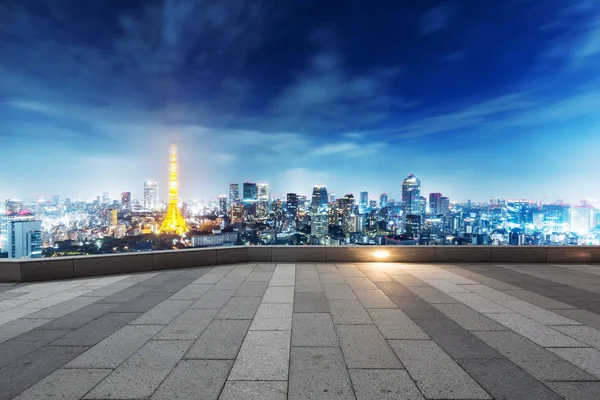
(556, 217)
(223, 204)
(319, 198)
(319, 210)
(105, 198)
(383, 200)
(434, 203)
(364, 200)
(237, 213)
(173, 222)
(24, 239)
(263, 191)
(14, 206)
(292, 205)
(581, 219)
(444, 208)
(372, 204)
(150, 195)
(234, 193)
(126, 200)
(348, 220)
(332, 197)
(411, 196)
(250, 192)
(423, 202)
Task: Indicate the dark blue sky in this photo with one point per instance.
(479, 99)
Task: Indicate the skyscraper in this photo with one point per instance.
(444, 206)
(126, 200)
(223, 204)
(263, 191)
(24, 239)
(234, 193)
(319, 210)
(173, 222)
(434, 203)
(364, 200)
(411, 195)
(250, 192)
(383, 200)
(292, 208)
(150, 195)
(105, 198)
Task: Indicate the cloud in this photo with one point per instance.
(435, 19)
(301, 180)
(348, 149)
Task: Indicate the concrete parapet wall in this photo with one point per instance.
(41, 269)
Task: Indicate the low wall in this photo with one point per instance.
(30, 270)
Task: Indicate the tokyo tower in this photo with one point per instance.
(173, 222)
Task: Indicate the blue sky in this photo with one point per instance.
(478, 99)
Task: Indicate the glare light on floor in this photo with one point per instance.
(381, 254)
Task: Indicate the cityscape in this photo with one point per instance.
(249, 215)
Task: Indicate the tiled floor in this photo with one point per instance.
(307, 331)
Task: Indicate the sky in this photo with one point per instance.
(478, 99)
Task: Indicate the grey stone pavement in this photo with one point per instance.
(307, 331)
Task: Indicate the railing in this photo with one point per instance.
(40, 269)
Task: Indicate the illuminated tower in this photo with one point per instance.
(173, 222)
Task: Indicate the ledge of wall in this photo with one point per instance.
(41, 269)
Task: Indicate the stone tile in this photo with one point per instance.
(81, 317)
(376, 276)
(258, 276)
(282, 280)
(392, 384)
(254, 390)
(229, 283)
(32, 368)
(539, 300)
(432, 295)
(587, 359)
(264, 356)
(326, 268)
(310, 302)
(576, 390)
(9, 295)
(307, 274)
(352, 272)
(241, 271)
(468, 318)
(15, 313)
(329, 278)
(318, 373)
(361, 283)
(308, 285)
(584, 334)
(65, 384)
(534, 331)
(220, 340)
(408, 280)
(97, 330)
(583, 316)
(163, 313)
(435, 373)
(279, 295)
(26, 343)
(374, 299)
(348, 312)
(143, 303)
(479, 303)
(189, 325)
(273, 317)
(490, 293)
(339, 292)
(249, 289)
(116, 348)
(20, 326)
(504, 380)
(192, 292)
(416, 308)
(395, 324)
(365, 347)
(394, 288)
(313, 329)
(446, 286)
(215, 299)
(239, 308)
(64, 308)
(538, 314)
(195, 379)
(143, 372)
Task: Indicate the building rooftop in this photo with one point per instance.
(307, 331)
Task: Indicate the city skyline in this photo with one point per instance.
(476, 103)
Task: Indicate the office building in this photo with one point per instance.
(126, 200)
(411, 196)
(223, 204)
(444, 206)
(105, 199)
(556, 218)
(234, 193)
(364, 201)
(150, 195)
(292, 206)
(383, 200)
(319, 210)
(435, 203)
(250, 192)
(237, 213)
(263, 191)
(24, 239)
(14, 206)
(581, 219)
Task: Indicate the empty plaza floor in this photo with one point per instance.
(307, 331)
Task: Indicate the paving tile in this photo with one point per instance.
(365, 347)
(326, 268)
(408, 280)
(313, 329)
(538, 314)
(576, 390)
(229, 283)
(240, 272)
(584, 334)
(504, 380)
(26, 343)
(254, 390)
(211, 277)
(583, 316)
(222, 339)
(97, 330)
(534, 331)
(307, 274)
(144, 302)
(12, 314)
(308, 285)
(81, 317)
(351, 273)
(318, 373)
(339, 292)
(379, 276)
(163, 313)
(116, 348)
(395, 324)
(195, 379)
(392, 384)
(192, 292)
(374, 299)
(215, 299)
(310, 302)
(264, 356)
(446, 286)
(64, 308)
(282, 280)
(468, 318)
(189, 325)
(479, 303)
(249, 289)
(258, 276)
(10, 295)
(273, 317)
(332, 278)
(539, 300)
(32, 368)
(361, 283)
(279, 295)
(432, 295)
(348, 312)
(65, 384)
(239, 308)
(435, 373)
(55, 299)
(20, 326)
(416, 308)
(143, 372)
(587, 359)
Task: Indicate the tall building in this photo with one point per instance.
(263, 191)
(126, 200)
(444, 206)
(150, 195)
(411, 195)
(234, 193)
(24, 239)
(14, 206)
(435, 203)
(319, 210)
(423, 208)
(581, 219)
(364, 200)
(237, 213)
(383, 200)
(223, 204)
(556, 217)
(292, 208)
(250, 192)
(348, 216)
(173, 222)
(105, 198)
(332, 197)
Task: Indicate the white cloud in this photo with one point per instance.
(435, 19)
